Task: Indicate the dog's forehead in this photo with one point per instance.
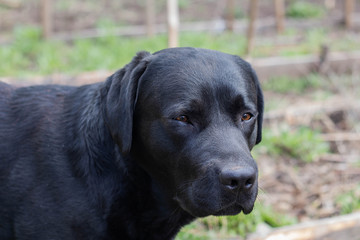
(198, 61)
(198, 66)
(188, 71)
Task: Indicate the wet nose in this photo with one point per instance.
(238, 179)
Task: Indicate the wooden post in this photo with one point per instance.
(349, 7)
(150, 18)
(230, 12)
(251, 26)
(173, 23)
(280, 13)
(46, 18)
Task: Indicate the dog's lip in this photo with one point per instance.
(248, 209)
(232, 208)
(235, 208)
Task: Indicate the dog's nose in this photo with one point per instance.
(236, 179)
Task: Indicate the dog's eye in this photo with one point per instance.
(246, 117)
(182, 118)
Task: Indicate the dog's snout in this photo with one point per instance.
(236, 179)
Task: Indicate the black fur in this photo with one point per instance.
(113, 160)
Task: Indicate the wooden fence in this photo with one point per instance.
(173, 20)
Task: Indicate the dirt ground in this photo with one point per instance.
(312, 190)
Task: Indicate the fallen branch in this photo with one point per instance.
(342, 227)
(312, 109)
(338, 158)
(341, 137)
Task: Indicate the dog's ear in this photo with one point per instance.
(260, 106)
(120, 94)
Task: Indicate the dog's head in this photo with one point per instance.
(189, 117)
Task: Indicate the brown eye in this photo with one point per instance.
(182, 118)
(246, 117)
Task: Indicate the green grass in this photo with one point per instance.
(301, 143)
(234, 226)
(312, 41)
(286, 84)
(29, 55)
(349, 202)
(301, 9)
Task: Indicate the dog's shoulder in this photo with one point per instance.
(30, 113)
(41, 99)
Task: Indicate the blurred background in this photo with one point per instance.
(306, 54)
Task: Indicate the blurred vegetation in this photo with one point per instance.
(28, 54)
(302, 9)
(235, 226)
(300, 143)
(286, 84)
(349, 202)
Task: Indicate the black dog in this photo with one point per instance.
(164, 140)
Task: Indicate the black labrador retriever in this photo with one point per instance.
(162, 141)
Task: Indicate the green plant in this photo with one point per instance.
(27, 39)
(300, 143)
(183, 4)
(29, 54)
(313, 40)
(350, 201)
(301, 9)
(316, 37)
(275, 219)
(193, 231)
(231, 226)
(21, 54)
(239, 13)
(286, 84)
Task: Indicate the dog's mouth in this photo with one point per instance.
(204, 197)
(202, 209)
(234, 209)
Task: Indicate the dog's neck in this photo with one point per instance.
(159, 219)
(129, 189)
